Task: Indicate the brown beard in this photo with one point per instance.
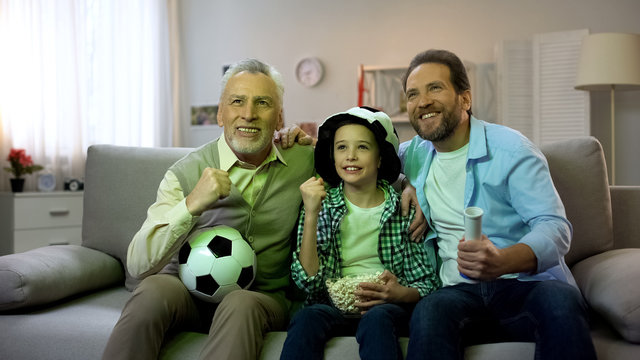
(450, 120)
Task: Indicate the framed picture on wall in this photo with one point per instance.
(204, 115)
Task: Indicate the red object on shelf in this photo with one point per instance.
(361, 85)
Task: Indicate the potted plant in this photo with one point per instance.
(21, 164)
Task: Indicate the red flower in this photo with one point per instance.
(15, 154)
(21, 163)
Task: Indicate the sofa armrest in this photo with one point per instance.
(51, 273)
(625, 209)
(608, 283)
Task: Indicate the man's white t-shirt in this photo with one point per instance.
(444, 189)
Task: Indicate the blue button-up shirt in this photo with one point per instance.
(508, 177)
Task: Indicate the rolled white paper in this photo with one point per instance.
(473, 223)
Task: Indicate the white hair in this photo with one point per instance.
(254, 66)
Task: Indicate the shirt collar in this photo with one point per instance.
(477, 139)
(228, 158)
(336, 197)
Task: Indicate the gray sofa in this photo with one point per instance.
(61, 302)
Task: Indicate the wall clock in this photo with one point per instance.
(309, 71)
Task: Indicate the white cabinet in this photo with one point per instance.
(34, 219)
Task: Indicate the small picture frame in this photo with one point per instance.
(204, 115)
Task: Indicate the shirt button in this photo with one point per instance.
(253, 213)
(250, 239)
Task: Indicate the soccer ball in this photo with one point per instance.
(216, 261)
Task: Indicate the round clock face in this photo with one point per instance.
(46, 182)
(309, 71)
(74, 185)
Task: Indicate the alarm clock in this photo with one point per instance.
(46, 182)
(73, 185)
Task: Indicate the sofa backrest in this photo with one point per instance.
(579, 173)
(120, 184)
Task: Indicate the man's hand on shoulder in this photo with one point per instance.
(214, 184)
(290, 135)
(419, 225)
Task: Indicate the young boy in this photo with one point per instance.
(356, 227)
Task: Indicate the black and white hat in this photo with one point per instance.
(382, 128)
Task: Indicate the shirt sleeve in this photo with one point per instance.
(313, 285)
(416, 267)
(167, 224)
(537, 202)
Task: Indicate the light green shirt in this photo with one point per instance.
(248, 178)
(359, 231)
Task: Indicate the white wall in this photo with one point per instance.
(346, 33)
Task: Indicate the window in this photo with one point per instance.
(536, 79)
(77, 73)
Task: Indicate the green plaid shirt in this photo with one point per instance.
(401, 256)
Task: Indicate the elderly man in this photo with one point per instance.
(241, 180)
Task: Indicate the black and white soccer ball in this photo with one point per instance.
(216, 261)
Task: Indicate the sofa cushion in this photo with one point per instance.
(579, 174)
(77, 329)
(346, 347)
(625, 209)
(608, 282)
(51, 273)
(120, 184)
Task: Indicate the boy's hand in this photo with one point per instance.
(371, 294)
(313, 193)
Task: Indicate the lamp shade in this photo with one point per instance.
(609, 59)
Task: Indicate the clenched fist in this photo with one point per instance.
(214, 184)
(313, 192)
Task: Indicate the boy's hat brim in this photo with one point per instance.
(383, 119)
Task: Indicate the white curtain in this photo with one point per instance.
(83, 72)
(181, 111)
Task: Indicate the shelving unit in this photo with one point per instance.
(381, 87)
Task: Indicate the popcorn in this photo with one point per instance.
(341, 290)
